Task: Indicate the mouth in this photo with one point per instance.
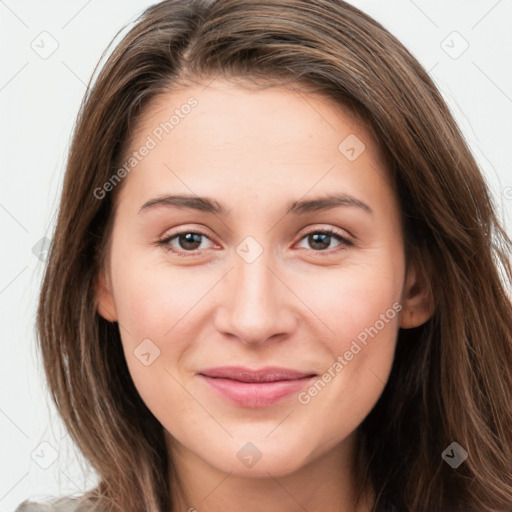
(255, 388)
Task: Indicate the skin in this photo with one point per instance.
(300, 304)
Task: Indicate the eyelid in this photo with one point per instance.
(165, 239)
(322, 228)
(345, 239)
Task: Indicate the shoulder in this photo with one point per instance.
(64, 504)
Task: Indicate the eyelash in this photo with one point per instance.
(164, 242)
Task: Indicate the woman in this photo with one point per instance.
(217, 376)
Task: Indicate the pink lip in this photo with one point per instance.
(255, 388)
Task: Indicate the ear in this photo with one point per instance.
(104, 299)
(417, 300)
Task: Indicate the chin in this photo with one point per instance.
(258, 459)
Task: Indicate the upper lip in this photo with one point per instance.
(267, 374)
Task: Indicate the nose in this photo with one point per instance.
(255, 305)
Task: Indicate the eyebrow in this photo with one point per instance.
(208, 205)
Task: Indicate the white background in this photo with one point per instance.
(39, 99)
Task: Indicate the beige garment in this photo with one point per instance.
(64, 504)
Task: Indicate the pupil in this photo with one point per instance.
(315, 238)
(189, 239)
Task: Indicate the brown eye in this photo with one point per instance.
(189, 241)
(186, 242)
(321, 240)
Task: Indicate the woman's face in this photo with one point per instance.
(242, 186)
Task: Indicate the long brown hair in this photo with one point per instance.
(451, 379)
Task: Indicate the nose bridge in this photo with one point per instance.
(253, 281)
(255, 305)
(255, 290)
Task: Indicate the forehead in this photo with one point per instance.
(275, 135)
(269, 113)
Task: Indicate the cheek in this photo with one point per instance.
(350, 301)
(157, 309)
(361, 309)
(154, 300)
(153, 318)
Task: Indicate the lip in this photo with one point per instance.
(255, 388)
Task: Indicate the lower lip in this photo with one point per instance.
(251, 394)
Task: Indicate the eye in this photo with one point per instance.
(187, 241)
(190, 241)
(320, 240)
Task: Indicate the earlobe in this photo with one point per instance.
(105, 304)
(417, 302)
